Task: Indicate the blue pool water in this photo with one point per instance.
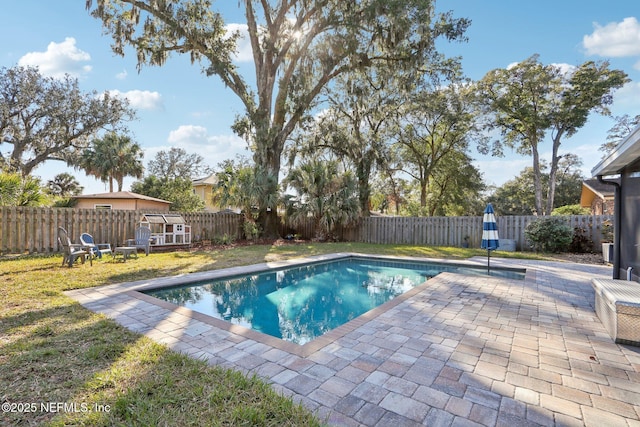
(301, 303)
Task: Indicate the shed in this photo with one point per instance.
(125, 200)
(167, 229)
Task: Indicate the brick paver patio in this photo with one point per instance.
(456, 351)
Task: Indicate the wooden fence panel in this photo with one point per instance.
(35, 230)
(451, 231)
(24, 229)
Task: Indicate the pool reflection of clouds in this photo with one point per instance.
(300, 303)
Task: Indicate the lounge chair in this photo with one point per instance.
(97, 249)
(142, 239)
(72, 251)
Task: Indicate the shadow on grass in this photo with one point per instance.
(48, 355)
(102, 374)
(172, 389)
(147, 274)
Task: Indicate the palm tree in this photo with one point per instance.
(10, 184)
(64, 184)
(16, 190)
(327, 196)
(113, 157)
(242, 185)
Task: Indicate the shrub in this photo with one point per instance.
(225, 239)
(571, 210)
(581, 242)
(549, 234)
(251, 230)
(607, 231)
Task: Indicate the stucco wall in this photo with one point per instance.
(205, 192)
(125, 204)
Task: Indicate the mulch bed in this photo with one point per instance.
(580, 258)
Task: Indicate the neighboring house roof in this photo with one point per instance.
(626, 153)
(120, 195)
(208, 180)
(592, 188)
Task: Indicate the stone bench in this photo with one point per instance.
(618, 307)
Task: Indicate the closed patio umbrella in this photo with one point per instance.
(490, 239)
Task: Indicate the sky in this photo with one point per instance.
(177, 106)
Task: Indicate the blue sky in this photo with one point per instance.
(178, 106)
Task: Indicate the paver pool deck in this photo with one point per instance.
(457, 351)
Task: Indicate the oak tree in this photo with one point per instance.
(299, 47)
(43, 118)
(529, 99)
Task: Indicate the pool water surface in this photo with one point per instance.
(298, 304)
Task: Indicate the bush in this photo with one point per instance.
(550, 234)
(571, 210)
(581, 242)
(225, 239)
(251, 230)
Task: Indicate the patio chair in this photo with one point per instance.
(142, 239)
(97, 249)
(72, 251)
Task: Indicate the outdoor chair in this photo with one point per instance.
(142, 239)
(72, 251)
(97, 249)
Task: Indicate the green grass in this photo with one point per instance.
(53, 350)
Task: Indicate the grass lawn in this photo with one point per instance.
(61, 364)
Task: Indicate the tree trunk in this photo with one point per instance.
(363, 171)
(268, 213)
(268, 220)
(553, 172)
(537, 179)
(424, 184)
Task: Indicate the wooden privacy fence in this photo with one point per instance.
(451, 231)
(35, 230)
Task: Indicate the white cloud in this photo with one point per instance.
(122, 75)
(497, 171)
(141, 99)
(244, 52)
(214, 148)
(59, 59)
(188, 134)
(616, 39)
(565, 69)
(627, 99)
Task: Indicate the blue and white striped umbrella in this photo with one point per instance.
(490, 239)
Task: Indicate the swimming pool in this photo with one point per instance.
(298, 304)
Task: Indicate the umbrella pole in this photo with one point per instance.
(488, 260)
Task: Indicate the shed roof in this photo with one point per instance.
(120, 195)
(154, 218)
